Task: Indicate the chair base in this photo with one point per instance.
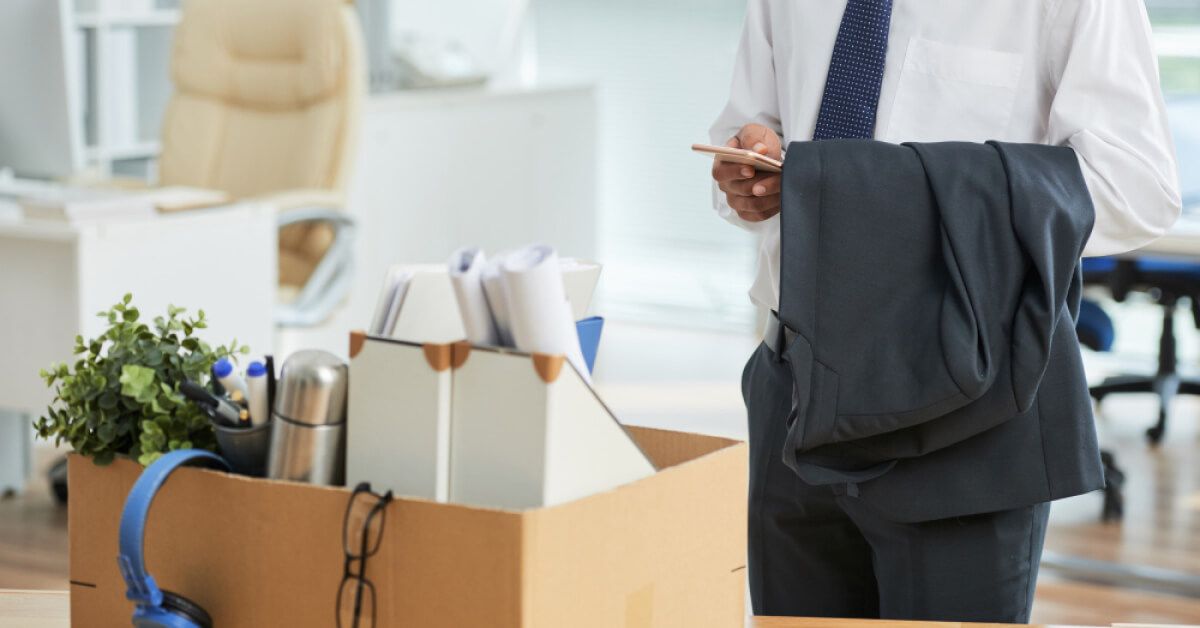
(1165, 385)
(1114, 489)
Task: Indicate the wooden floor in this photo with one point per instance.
(1161, 529)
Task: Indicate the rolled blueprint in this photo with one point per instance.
(493, 289)
(538, 309)
(466, 276)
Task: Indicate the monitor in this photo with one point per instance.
(40, 114)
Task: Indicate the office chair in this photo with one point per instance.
(266, 102)
(1170, 282)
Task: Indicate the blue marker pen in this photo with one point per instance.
(259, 397)
(223, 370)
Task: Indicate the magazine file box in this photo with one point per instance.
(398, 431)
(527, 431)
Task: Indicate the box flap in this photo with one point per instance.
(615, 558)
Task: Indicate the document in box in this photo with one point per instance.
(538, 309)
(391, 299)
(466, 276)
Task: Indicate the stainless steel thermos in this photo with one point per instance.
(308, 442)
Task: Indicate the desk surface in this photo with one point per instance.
(34, 609)
(800, 622)
(51, 609)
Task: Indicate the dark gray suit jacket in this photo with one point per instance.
(933, 289)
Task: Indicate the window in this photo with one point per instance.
(662, 68)
(1177, 37)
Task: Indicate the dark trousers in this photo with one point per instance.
(817, 553)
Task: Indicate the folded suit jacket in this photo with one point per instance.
(932, 290)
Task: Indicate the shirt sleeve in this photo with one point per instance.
(1107, 105)
(752, 97)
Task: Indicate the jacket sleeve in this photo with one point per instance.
(1107, 105)
(752, 98)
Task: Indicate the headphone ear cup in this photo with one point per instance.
(175, 603)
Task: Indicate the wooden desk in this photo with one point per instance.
(34, 609)
(800, 622)
(52, 609)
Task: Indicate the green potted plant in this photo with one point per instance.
(121, 397)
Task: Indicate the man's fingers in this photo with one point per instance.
(765, 186)
(733, 142)
(728, 171)
(760, 139)
(753, 205)
(761, 184)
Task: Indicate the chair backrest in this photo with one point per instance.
(267, 96)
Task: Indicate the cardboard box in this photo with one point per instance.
(667, 550)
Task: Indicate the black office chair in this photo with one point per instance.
(1170, 283)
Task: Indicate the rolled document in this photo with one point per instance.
(391, 299)
(538, 309)
(493, 288)
(466, 276)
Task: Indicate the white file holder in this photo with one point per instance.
(398, 434)
(430, 311)
(431, 416)
(527, 431)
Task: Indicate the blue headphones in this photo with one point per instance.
(157, 608)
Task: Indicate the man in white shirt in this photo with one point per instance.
(1075, 73)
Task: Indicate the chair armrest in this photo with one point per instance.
(330, 281)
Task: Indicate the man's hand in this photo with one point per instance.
(753, 195)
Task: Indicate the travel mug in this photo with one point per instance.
(308, 441)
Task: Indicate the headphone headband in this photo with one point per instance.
(141, 586)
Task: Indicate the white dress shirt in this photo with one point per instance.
(1078, 73)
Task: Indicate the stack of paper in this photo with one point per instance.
(177, 198)
(71, 204)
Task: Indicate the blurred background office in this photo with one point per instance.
(501, 122)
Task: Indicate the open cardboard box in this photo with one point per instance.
(667, 550)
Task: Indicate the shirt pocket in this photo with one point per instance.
(948, 92)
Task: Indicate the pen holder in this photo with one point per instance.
(245, 448)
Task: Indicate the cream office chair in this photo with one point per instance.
(266, 106)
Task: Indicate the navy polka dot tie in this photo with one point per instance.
(855, 72)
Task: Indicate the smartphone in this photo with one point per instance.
(740, 156)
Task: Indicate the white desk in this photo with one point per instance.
(55, 277)
(436, 169)
(1183, 240)
(495, 167)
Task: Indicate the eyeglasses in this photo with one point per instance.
(362, 532)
